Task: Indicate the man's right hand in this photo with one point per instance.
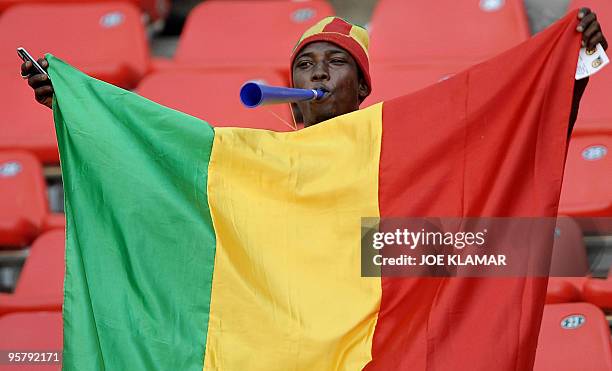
(43, 90)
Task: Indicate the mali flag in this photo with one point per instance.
(191, 247)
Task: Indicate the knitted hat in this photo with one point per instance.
(352, 38)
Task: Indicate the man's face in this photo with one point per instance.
(323, 65)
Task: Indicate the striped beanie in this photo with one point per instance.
(352, 38)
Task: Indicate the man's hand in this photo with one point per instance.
(591, 36)
(43, 90)
(591, 30)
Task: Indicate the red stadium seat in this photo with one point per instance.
(36, 332)
(213, 96)
(599, 292)
(595, 109)
(27, 125)
(425, 32)
(41, 282)
(595, 114)
(23, 199)
(54, 221)
(111, 43)
(569, 257)
(247, 33)
(154, 9)
(573, 337)
(391, 82)
(565, 289)
(587, 183)
(569, 267)
(598, 226)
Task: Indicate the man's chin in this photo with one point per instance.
(323, 115)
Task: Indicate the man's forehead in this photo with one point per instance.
(321, 47)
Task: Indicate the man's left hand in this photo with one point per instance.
(591, 29)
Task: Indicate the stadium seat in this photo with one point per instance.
(27, 125)
(23, 199)
(569, 267)
(106, 40)
(569, 256)
(598, 291)
(41, 282)
(564, 289)
(392, 81)
(587, 183)
(213, 96)
(153, 9)
(595, 114)
(573, 336)
(597, 226)
(35, 331)
(425, 32)
(258, 33)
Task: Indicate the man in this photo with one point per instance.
(331, 57)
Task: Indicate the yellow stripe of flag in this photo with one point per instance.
(277, 298)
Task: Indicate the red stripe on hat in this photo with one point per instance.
(338, 25)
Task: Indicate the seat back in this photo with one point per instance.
(573, 336)
(587, 182)
(467, 31)
(23, 199)
(258, 33)
(27, 125)
(213, 96)
(104, 39)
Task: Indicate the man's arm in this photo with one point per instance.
(591, 36)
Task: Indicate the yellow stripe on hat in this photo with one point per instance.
(317, 28)
(360, 35)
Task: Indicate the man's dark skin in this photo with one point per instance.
(325, 65)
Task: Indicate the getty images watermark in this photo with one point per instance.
(466, 247)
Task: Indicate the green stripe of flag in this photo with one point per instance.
(140, 241)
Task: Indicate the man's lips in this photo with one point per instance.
(326, 95)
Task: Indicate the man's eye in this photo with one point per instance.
(338, 61)
(304, 64)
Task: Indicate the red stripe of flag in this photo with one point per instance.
(494, 145)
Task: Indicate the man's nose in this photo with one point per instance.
(320, 72)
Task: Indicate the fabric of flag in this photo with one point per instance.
(191, 247)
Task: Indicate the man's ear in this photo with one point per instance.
(364, 89)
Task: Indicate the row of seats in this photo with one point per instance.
(153, 10)
(572, 337)
(111, 42)
(112, 45)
